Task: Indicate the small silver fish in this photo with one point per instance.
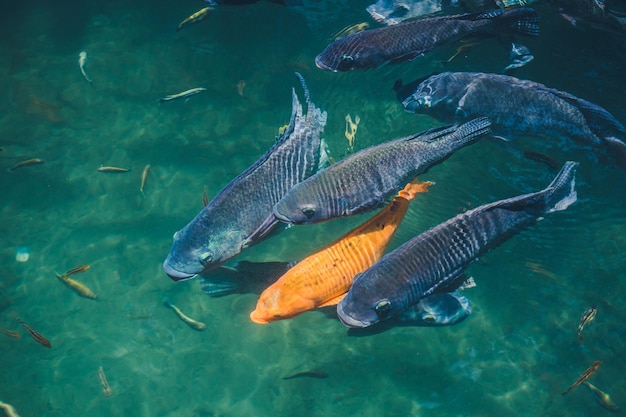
(587, 316)
(82, 63)
(185, 94)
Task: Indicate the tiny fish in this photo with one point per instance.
(196, 325)
(79, 287)
(106, 388)
(185, 94)
(205, 198)
(8, 409)
(195, 18)
(603, 398)
(39, 338)
(81, 268)
(10, 333)
(585, 375)
(28, 162)
(587, 316)
(308, 374)
(113, 169)
(144, 177)
(82, 63)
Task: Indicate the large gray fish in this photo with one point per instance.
(241, 214)
(517, 108)
(408, 40)
(366, 179)
(607, 16)
(434, 261)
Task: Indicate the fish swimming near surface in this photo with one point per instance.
(602, 397)
(26, 163)
(8, 409)
(38, 337)
(585, 376)
(144, 177)
(104, 384)
(241, 214)
(113, 170)
(82, 64)
(366, 179)
(434, 261)
(517, 108)
(80, 288)
(194, 324)
(588, 315)
(183, 95)
(196, 17)
(408, 40)
(323, 278)
(308, 374)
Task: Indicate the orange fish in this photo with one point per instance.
(323, 278)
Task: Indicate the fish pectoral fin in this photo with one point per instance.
(333, 301)
(260, 232)
(409, 56)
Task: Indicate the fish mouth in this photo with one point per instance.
(349, 321)
(257, 318)
(175, 274)
(319, 64)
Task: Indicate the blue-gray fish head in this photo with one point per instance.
(194, 251)
(297, 207)
(364, 306)
(437, 92)
(349, 54)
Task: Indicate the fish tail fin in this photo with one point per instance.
(561, 192)
(412, 189)
(470, 132)
(523, 21)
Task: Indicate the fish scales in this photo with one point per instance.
(408, 40)
(516, 107)
(365, 180)
(325, 276)
(232, 220)
(434, 260)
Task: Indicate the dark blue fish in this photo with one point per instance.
(241, 214)
(367, 179)
(517, 108)
(434, 261)
(408, 40)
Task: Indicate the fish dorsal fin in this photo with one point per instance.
(431, 135)
(333, 301)
(413, 188)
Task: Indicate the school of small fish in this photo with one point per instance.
(293, 183)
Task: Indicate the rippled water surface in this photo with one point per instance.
(513, 356)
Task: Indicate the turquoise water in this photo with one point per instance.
(513, 357)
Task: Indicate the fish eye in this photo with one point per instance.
(206, 257)
(347, 58)
(382, 308)
(345, 63)
(308, 212)
(429, 318)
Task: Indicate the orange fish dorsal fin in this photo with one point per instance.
(333, 301)
(413, 188)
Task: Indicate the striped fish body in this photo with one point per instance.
(366, 179)
(517, 107)
(231, 221)
(324, 277)
(408, 40)
(434, 261)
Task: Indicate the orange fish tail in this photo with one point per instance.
(412, 189)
